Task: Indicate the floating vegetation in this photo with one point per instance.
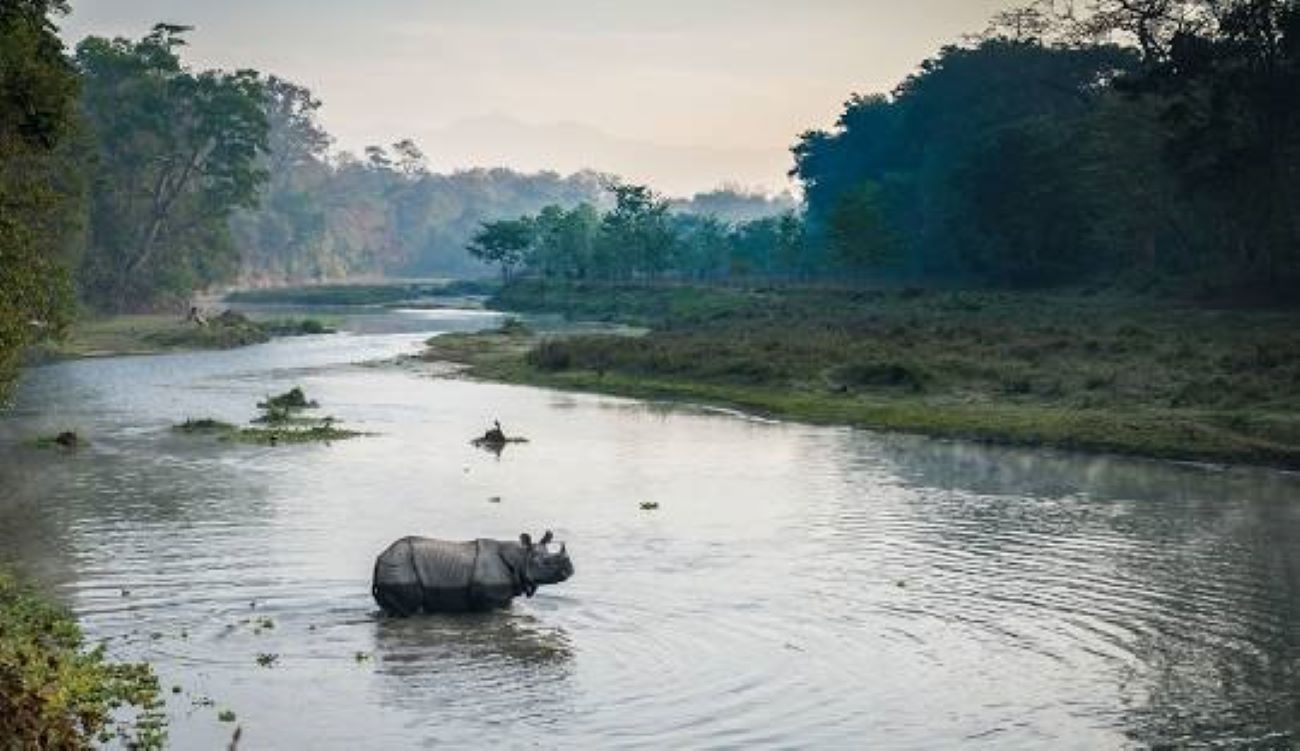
(226, 715)
(361, 656)
(649, 505)
(281, 421)
(292, 399)
(278, 435)
(204, 425)
(263, 624)
(267, 659)
(68, 440)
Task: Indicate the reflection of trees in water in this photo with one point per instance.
(468, 666)
(1000, 470)
(1196, 570)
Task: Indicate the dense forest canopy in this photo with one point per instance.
(1145, 139)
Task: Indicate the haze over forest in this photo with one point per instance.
(684, 96)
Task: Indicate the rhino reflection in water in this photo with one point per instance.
(417, 574)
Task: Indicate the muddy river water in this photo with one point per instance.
(797, 586)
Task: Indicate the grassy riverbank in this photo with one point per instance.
(1096, 373)
(155, 333)
(55, 692)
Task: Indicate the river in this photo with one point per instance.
(797, 586)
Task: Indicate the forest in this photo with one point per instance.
(1152, 146)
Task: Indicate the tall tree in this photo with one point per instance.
(177, 154)
(38, 90)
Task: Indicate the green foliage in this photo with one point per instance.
(1038, 156)
(56, 693)
(37, 198)
(503, 243)
(859, 235)
(177, 153)
(204, 425)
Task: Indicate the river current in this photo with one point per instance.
(797, 586)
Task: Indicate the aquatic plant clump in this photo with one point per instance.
(67, 440)
(56, 693)
(281, 421)
(204, 425)
(294, 398)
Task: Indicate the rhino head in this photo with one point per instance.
(541, 566)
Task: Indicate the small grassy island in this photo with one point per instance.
(283, 420)
(1073, 371)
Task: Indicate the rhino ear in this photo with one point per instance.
(526, 540)
(562, 550)
(546, 538)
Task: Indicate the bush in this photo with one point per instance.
(867, 374)
(55, 693)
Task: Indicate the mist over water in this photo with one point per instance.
(798, 586)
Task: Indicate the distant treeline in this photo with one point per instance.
(641, 236)
(1145, 142)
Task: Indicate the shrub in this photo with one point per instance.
(56, 693)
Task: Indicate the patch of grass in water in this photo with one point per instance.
(279, 423)
(276, 436)
(204, 425)
(294, 398)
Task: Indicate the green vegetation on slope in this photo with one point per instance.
(1072, 371)
(57, 693)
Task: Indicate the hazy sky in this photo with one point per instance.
(685, 94)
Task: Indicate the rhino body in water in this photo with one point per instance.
(419, 575)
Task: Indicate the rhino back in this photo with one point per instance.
(417, 573)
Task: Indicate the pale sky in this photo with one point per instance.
(683, 94)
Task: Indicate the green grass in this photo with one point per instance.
(1098, 373)
(55, 692)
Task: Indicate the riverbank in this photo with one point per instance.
(1080, 372)
(149, 334)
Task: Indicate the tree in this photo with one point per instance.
(505, 243)
(635, 237)
(860, 236)
(411, 161)
(38, 90)
(177, 153)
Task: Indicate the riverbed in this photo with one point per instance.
(797, 586)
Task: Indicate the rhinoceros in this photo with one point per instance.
(417, 574)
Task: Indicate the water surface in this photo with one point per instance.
(798, 586)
